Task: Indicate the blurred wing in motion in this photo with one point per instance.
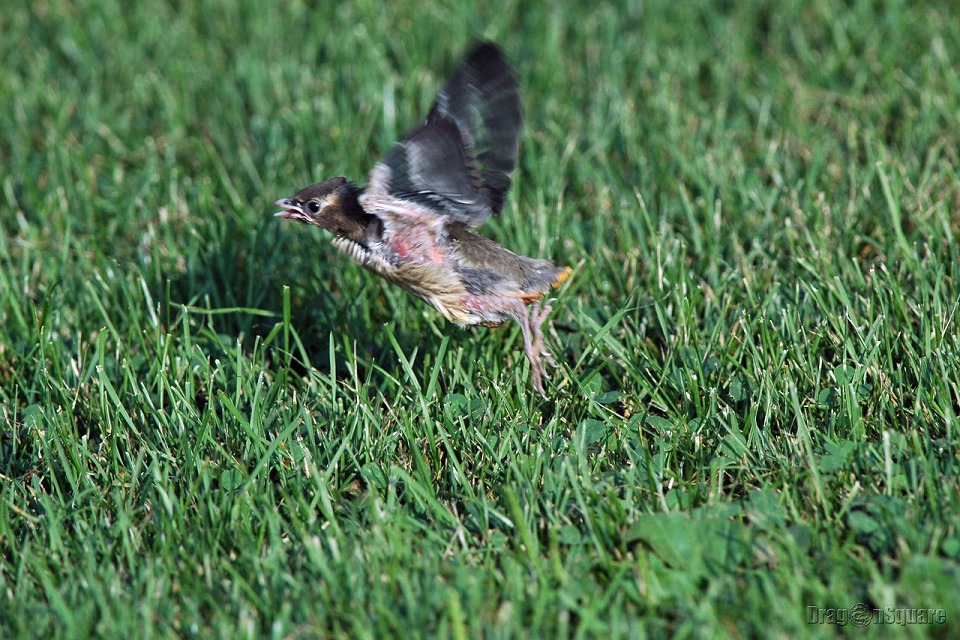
(458, 162)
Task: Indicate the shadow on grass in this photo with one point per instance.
(232, 287)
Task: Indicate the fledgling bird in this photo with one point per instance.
(413, 222)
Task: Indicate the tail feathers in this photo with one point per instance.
(546, 277)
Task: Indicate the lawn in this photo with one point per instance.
(213, 425)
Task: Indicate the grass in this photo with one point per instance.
(213, 425)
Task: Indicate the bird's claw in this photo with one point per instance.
(531, 323)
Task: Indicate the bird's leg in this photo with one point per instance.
(532, 340)
(538, 315)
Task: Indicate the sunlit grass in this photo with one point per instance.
(211, 424)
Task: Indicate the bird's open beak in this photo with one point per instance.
(289, 208)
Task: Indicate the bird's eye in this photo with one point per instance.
(313, 206)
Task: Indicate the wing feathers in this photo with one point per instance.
(458, 162)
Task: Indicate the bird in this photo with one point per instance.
(414, 221)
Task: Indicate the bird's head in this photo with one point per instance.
(319, 204)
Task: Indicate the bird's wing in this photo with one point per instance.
(458, 162)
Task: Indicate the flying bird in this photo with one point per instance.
(413, 223)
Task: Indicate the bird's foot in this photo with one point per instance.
(531, 324)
